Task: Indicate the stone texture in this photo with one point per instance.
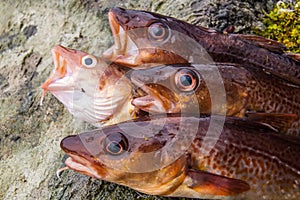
(29, 133)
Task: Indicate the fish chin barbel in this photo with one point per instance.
(143, 37)
(91, 89)
(248, 160)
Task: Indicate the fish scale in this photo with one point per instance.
(259, 53)
(246, 160)
(240, 158)
(247, 93)
(275, 95)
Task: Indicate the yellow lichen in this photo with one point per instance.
(283, 24)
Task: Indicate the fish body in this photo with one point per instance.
(189, 88)
(176, 156)
(91, 88)
(144, 37)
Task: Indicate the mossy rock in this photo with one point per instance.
(30, 134)
(283, 24)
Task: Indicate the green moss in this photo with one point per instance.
(283, 24)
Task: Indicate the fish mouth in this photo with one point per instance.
(60, 78)
(79, 159)
(80, 164)
(124, 49)
(153, 98)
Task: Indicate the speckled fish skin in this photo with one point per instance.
(248, 161)
(96, 92)
(246, 92)
(253, 51)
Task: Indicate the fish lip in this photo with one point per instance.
(72, 159)
(79, 159)
(62, 69)
(56, 86)
(82, 165)
(113, 22)
(115, 28)
(144, 87)
(124, 49)
(71, 145)
(149, 96)
(152, 101)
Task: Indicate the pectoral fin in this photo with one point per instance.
(280, 121)
(211, 184)
(263, 42)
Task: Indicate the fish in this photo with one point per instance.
(91, 88)
(143, 37)
(190, 88)
(175, 156)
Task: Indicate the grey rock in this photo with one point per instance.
(30, 133)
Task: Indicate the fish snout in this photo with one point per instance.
(119, 15)
(60, 49)
(79, 145)
(71, 144)
(64, 61)
(65, 57)
(85, 145)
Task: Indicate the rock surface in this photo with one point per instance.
(29, 133)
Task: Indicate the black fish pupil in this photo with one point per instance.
(114, 148)
(88, 61)
(115, 144)
(186, 80)
(157, 31)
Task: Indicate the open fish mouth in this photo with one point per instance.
(81, 165)
(78, 88)
(153, 98)
(124, 48)
(82, 162)
(60, 80)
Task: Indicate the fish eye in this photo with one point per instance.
(186, 80)
(89, 61)
(158, 32)
(115, 144)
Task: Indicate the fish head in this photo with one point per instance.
(151, 155)
(143, 37)
(91, 89)
(136, 154)
(171, 89)
(68, 63)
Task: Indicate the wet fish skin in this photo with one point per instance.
(96, 92)
(246, 155)
(246, 92)
(253, 51)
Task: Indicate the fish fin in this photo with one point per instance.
(279, 121)
(263, 42)
(228, 30)
(294, 56)
(212, 184)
